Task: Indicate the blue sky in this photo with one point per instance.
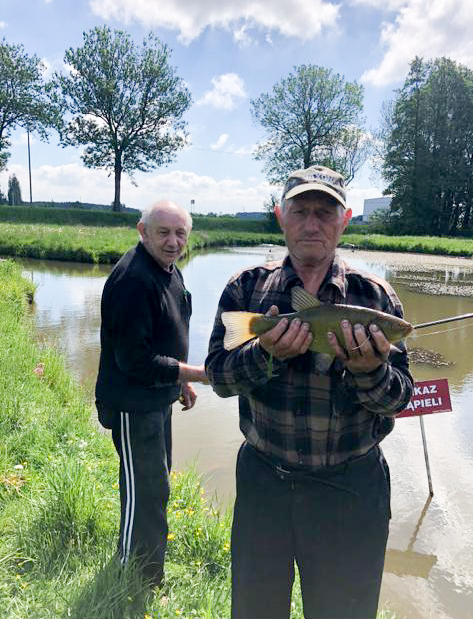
(229, 52)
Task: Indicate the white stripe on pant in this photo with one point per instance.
(129, 485)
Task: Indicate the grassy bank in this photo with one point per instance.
(441, 246)
(59, 500)
(102, 245)
(105, 245)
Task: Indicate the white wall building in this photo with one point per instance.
(374, 204)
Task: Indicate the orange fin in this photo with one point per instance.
(237, 328)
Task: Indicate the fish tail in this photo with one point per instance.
(238, 328)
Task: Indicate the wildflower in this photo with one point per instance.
(115, 486)
(226, 547)
(39, 369)
(171, 536)
(178, 611)
(18, 467)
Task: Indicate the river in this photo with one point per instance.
(429, 564)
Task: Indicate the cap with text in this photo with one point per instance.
(316, 178)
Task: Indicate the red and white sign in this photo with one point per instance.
(429, 396)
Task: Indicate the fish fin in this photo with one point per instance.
(302, 300)
(237, 328)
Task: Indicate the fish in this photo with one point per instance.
(241, 326)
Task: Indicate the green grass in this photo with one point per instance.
(442, 246)
(102, 245)
(105, 245)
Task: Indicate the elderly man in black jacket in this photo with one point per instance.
(143, 369)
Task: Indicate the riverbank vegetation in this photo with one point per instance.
(59, 499)
(105, 244)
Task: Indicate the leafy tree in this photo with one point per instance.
(269, 206)
(126, 104)
(311, 117)
(428, 158)
(14, 191)
(23, 99)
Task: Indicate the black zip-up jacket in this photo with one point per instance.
(144, 334)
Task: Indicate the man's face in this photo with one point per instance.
(313, 223)
(165, 236)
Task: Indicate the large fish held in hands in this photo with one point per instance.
(240, 327)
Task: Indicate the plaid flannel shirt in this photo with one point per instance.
(312, 412)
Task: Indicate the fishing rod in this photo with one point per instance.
(441, 321)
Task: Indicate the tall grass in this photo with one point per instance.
(442, 246)
(102, 245)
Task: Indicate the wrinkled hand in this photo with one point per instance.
(188, 396)
(283, 341)
(361, 352)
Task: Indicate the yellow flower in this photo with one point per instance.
(178, 611)
(171, 536)
(226, 547)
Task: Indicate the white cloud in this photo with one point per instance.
(293, 18)
(222, 138)
(73, 182)
(228, 89)
(426, 28)
(3, 25)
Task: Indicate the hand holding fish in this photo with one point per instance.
(362, 352)
(286, 339)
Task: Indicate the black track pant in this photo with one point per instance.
(143, 442)
(335, 527)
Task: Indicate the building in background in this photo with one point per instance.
(374, 204)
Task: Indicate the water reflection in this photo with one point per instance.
(429, 565)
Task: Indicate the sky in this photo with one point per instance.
(229, 52)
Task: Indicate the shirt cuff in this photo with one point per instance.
(167, 371)
(368, 381)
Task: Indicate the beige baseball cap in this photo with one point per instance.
(316, 178)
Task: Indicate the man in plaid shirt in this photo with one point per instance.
(312, 483)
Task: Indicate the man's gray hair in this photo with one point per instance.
(147, 213)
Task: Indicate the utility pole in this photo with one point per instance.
(29, 163)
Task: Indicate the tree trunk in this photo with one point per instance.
(116, 206)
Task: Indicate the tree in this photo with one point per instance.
(126, 104)
(14, 191)
(428, 149)
(23, 97)
(311, 117)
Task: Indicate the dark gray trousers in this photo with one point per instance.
(334, 526)
(143, 443)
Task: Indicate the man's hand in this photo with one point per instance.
(188, 396)
(361, 352)
(283, 341)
